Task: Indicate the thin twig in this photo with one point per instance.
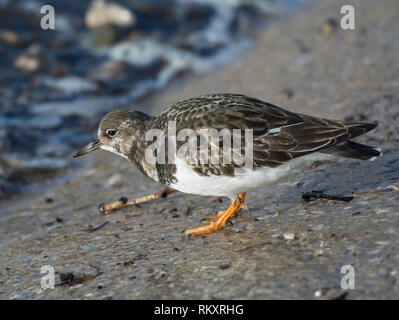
(124, 202)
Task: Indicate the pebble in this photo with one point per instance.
(225, 265)
(382, 243)
(329, 27)
(318, 293)
(10, 37)
(289, 236)
(101, 13)
(27, 63)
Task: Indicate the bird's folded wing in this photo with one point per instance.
(277, 135)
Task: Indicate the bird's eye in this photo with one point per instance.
(111, 133)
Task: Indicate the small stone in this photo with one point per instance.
(188, 211)
(308, 257)
(66, 277)
(225, 265)
(288, 93)
(128, 263)
(289, 236)
(318, 293)
(10, 37)
(101, 13)
(27, 63)
(329, 27)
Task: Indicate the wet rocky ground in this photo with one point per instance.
(304, 62)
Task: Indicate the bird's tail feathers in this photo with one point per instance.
(354, 150)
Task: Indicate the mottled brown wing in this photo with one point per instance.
(278, 135)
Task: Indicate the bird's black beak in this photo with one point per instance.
(92, 146)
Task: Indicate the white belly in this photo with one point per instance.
(188, 181)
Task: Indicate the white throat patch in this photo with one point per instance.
(110, 149)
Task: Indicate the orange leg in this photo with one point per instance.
(243, 206)
(214, 218)
(220, 220)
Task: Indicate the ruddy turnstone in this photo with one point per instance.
(279, 140)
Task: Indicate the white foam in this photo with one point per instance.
(143, 52)
(85, 107)
(70, 84)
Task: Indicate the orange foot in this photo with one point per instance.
(220, 220)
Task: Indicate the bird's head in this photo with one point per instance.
(117, 132)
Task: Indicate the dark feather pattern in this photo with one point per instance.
(354, 150)
(278, 135)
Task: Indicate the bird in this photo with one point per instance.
(280, 140)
